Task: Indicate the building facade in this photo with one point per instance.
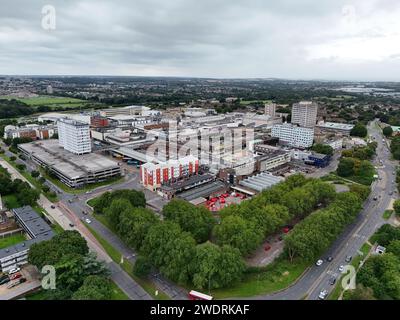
(270, 110)
(304, 114)
(294, 136)
(74, 136)
(152, 175)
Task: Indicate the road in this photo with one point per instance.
(369, 220)
(68, 220)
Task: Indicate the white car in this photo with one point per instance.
(323, 294)
(14, 270)
(341, 269)
(88, 221)
(319, 263)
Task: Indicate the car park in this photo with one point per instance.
(319, 263)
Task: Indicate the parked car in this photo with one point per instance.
(332, 281)
(15, 283)
(71, 225)
(323, 294)
(341, 269)
(267, 247)
(88, 221)
(14, 270)
(319, 263)
(329, 259)
(53, 206)
(15, 276)
(5, 280)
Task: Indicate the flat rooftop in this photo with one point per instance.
(335, 125)
(203, 191)
(71, 165)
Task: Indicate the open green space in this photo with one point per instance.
(249, 102)
(115, 255)
(117, 293)
(11, 240)
(387, 214)
(277, 276)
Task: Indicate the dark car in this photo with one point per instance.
(329, 259)
(348, 258)
(53, 206)
(5, 280)
(332, 281)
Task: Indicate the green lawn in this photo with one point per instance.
(11, 240)
(117, 293)
(387, 214)
(277, 276)
(115, 255)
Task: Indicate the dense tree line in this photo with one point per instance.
(22, 190)
(14, 108)
(313, 236)
(79, 275)
(136, 198)
(246, 226)
(395, 147)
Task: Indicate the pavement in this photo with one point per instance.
(316, 279)
(65, 217)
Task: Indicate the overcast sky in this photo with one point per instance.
(297, 39)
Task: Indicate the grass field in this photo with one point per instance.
(387, 214)
(11, 240)
(276, 276)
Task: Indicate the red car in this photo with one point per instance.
(15, 276)
(214, 199)
(222, 200)
(225, 195)
(267, 247)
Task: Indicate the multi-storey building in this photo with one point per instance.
(153, 175)
(270, 110)
(294, 136)
(74, 136)
(304, 114)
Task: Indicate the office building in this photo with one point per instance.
(305, 114)
(74, 136)
(293, 136)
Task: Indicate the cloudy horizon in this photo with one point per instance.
(293, 39)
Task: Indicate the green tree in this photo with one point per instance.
(94, 288)
(238, 233)
(360, 293)
(113, 212)
(396, 207)
(196, 220)
(323, 149)
(387, 131)
(346, 167)
(142, 267)
(359, 130)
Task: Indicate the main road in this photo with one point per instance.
(349, 243)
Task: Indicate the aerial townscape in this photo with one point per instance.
(191, 185)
